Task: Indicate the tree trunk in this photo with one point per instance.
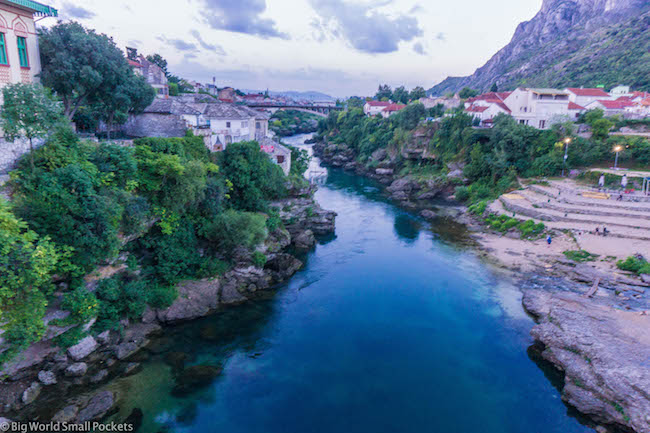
(31, 153)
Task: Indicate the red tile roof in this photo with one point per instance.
(588, 92)
(574, 106)
(393, 107)
(616, 105)
(134, 63)
(476, 108)
(378, 103)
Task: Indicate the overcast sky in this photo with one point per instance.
(340, 47)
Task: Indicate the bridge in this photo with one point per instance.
(319, 110)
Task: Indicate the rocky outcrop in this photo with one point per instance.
(98, 407)
(195, 299)
(602, 351)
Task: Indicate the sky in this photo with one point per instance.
(339, 47)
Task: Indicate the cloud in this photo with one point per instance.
(441, 36)
(364, 27)
(419, 48)
(179, 44)
(78, 12)
(241, 16)
(218, 49)
(416, 9)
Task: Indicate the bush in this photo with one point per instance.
(462, 193)
(580, 256)
(81, 304)
(631, 264)
(70, 337)
(259, 259)
(478, 208)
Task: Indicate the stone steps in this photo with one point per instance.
(581, 208)
(574, 198)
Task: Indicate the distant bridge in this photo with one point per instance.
(319, 110)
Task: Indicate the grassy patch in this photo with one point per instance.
(580, 256)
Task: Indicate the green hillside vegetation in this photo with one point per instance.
(610, 56)
(167, 208)
(493, 158)
(290, 122)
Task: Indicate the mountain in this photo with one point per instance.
(570, 42)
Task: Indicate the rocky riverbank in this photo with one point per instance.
(600, 344)
(47, 383)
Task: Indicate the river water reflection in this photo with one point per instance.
(391, 326)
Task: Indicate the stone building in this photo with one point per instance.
(153, 74)
(169, 117)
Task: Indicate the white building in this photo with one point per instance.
(232, 123)
(584, 97)
(539, 108)
(619, 91)
(372, 108)
(611, 108)
(20, 60)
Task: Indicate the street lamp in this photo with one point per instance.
(617, 149)
(566, 152)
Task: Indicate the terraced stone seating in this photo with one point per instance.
(564, 205)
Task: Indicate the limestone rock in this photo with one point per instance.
(195, 377)
(31, 393)
(46, 377)
(77, 369)
(99, 376)
(195, 299)
(603, 352)
(98, 407)
(305, 240)
(82, 349)
(428, 214)
(66, 415)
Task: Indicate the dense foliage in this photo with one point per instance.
(162, 211)
(88, 72)
(492, 158)
(291, 122)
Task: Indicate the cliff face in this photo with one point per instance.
(542, 47)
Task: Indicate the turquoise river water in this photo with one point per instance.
(393, 325)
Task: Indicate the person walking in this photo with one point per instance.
(601, 181)
(605, 231)
(624, 181)
(549, 240)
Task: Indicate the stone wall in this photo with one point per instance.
(10, 153)
(155, 125)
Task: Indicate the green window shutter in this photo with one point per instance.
(22, 52)
(3, 50)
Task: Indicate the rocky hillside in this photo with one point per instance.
(570, 42)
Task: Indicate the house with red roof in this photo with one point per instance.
(585, 96)
(372, 108)
(391, 109)
(575, 110)
(611, 108)
(486, 106)
(152, 73)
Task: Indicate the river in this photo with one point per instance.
(394, 325)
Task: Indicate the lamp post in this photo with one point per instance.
(566, 152)
(616, 149)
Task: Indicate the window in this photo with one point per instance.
(280, 159)
(22, 52)
(542, 124)
(3, 50)
(227, 124)
(257, 125)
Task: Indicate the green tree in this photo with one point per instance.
(418, 93)
(383, 92)
(494, 88)
(79, 65)
(27, 263)
(466, 92)
(28, 111)
(600, 128)
(131, 96)
(255, 178)
(400, 94)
